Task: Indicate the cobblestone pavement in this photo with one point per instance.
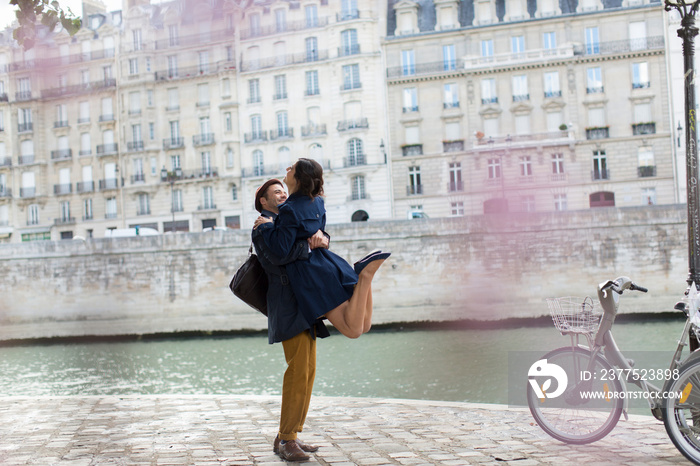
(238, 430)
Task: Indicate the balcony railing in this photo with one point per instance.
(143, 211)
(345, 125)
(64, 221)
(134, 146)
(26, 159)
(455, 186)
(551, 94)
(313, 130)
(411, 109)
(106, 118)
(59, 189)
(415, 189)
(646, 171)
(203, 172)
(263, 170)
(521, 97)
(205, 37)
(85, 152)
(290, 26)
(346, 50)
(106, 149)
(598, 133)
(78, 89)
(138, 178)
(595, 90)
(61, 154)
(203, 139)
(85, 186)
(27, 192)
(60, 124)
(110, 183)
(23, 95)
(643, 128)
(412, 149)
(620, 46)
(453, 146)
(255, 136)
(283, 60)
(5, 191)
(350, 85)
(489, 100)
(6, 162)
(600, 174)
(641, 85)
(423, 69)
(287, 133)
(173, 143)
(354, 161)
(207, 206)
(454, 104)
(25, 127)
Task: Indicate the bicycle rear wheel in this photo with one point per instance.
(576, 416)
(682, 415)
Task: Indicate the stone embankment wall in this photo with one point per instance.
(482, 267)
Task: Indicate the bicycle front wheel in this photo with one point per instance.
(577, 416)
(681, 410)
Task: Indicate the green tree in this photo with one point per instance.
(32, 14)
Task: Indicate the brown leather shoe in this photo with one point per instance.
(290, 451)
(304, 446)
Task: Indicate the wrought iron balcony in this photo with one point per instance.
(23, 95)
(595, 90)
(106, 118)
(346, 50)
(25, 127)
(290, 26)
(551, 94)
(173, 143)
(643, 128)
(5, 191)
(412, 149)
(61, 154)
(60, 124)
(361, 123)
(203, 139)
(422, 69)
(64, 221)
(598, 133)
(27, 192)
(85, 186)
(646, 171)
(453, 146)
(413, 190)
(410, 109)
(354, 161)
(455, 186)
(313, 130)
(641, 85)
(60, 189)
(255, 136)
(106, 149)
(454, 104)
(521, 97)
(6, 162)
(207, 206)
(600, 174)
(138, 178)
(134, 146)
(26, 159)
(489, 100)
(287, 133)
(110, 183)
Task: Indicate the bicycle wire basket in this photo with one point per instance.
(574, 314)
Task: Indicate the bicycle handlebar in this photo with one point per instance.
(621, 284)
(638, 288)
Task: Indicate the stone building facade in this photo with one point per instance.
(527, 106)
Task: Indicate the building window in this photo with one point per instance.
(258, 163)
(282, 124)
(172, 66)
(520, 92)
(494, 168)
(33, 214)
(640, 75)
(526, 166)
(253, 91)
(175, 162)
(177, 201)
(356, 155)
(254, 19)
(560, 203)
(280, 87)
(202, 95)
(488, 91)
(111, 207)
(527, 203)
(311, 16)
(455, 169)
(351, 77)
(234, 193)
(349, 44)
(203, 61)
(410, 100)
(487, 48)
(594, 80)
(648, 196)
(646, 167)
(414, 182)
(173, 35)
(602, 199)
(551, 84)
(87, 209)
(138, 44)
(311, 49)
(451, 96)
(312, 83)
(133, 66)
(549, 40)
(592, 41)
(256, 127)
(358, 188)
(557, 164)
(449, 60)
(281, 20)
(228, 122)
(408, 63)
(208, 198)
(457, 209)
(517, 44)
(600, 165)
(144, 206)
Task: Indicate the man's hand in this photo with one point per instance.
(260, 220)
(318, 240)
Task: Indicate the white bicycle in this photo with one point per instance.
(591, 388)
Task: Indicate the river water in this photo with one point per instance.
(453, 365)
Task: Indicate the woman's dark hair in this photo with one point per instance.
(309, 176)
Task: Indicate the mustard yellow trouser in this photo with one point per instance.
(300, 353)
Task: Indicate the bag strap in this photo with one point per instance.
(250, 250)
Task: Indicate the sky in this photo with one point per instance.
(7, 11)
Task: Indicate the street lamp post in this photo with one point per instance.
(688, 32)
(171, 177)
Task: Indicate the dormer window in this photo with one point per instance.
(406, 17)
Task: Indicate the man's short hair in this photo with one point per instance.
(262, 191)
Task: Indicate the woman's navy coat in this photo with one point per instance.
(283, 318)
(324, 281)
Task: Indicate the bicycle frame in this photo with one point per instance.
(609, 296)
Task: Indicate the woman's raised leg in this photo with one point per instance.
(350, 317)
